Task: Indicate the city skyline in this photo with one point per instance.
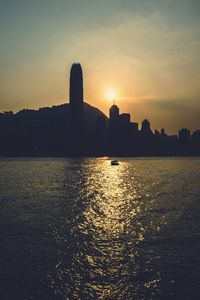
(148, 52)
(79, 129)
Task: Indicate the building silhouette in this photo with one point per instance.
(114, 117)
(76, 109)
(76, 85)
(184, 140)
(146, 128)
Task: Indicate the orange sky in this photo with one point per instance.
(148, 52)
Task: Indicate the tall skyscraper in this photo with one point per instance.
(76, 85)
(76, 109)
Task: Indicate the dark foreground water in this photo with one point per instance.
(83, 229)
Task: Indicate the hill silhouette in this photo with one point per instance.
(48, 132)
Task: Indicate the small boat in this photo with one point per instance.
(114, 163)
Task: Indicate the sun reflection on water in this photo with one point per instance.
(107, 213)
(99, 247)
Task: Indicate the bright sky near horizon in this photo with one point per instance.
(145, 51)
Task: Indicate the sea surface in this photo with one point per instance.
(83, 229)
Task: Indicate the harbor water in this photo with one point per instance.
(81, 228)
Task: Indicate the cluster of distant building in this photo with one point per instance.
(126, 138)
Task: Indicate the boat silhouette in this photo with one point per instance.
(114, 163)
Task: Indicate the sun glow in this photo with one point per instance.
(111, 95)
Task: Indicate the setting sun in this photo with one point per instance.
(111, 94)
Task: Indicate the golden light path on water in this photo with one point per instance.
(103, 246)
(108, 217)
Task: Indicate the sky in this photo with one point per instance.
(147, 51)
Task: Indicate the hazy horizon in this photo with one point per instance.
(146, 51)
